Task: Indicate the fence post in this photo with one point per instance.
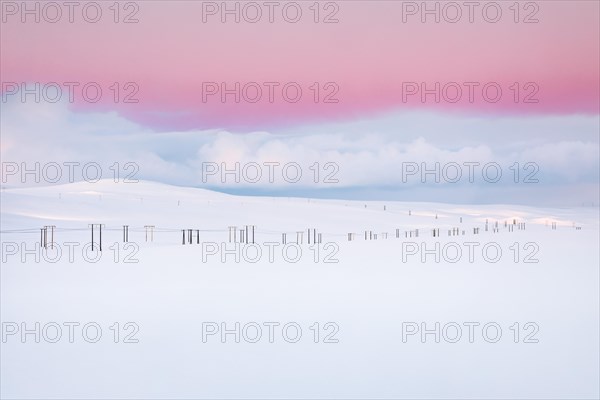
(149, 229)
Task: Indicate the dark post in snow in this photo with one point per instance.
(44, 237)
(92, 225)
(232, 233)
(51, 235)
(250, 232)
(99, 234)
(314, 236)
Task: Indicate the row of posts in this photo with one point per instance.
(369, 235)
(94, 228)
(246, 234)
(312, 237)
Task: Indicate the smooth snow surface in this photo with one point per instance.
(376, 289)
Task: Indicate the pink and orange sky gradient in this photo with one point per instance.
(369, 53)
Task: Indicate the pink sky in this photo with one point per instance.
(369, 53)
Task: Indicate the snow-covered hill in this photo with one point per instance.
(340, 318)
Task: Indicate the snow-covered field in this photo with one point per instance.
(517, 307)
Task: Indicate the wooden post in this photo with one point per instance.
(52, 235)
(149, 229)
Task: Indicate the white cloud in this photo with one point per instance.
(368, 153)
